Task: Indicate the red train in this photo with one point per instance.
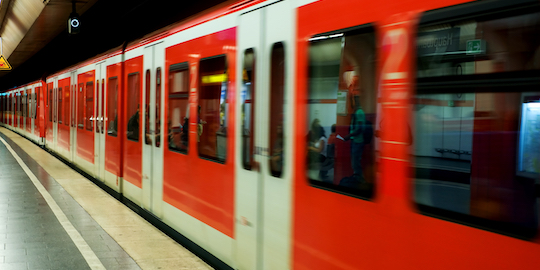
(303, 134)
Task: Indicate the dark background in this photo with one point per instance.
(107, 24)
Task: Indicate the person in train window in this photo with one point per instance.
(133, 126)
(200, 124)
(328, 163)
(113, 126)
(358, 119)
(317, 144)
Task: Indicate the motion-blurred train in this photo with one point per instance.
(332, 134)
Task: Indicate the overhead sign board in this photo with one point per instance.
(4, 65)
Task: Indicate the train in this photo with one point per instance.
(303, 134)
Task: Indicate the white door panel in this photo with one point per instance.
(152, 110)
(248, 182)
(73, 112)
(99, 134)
(263, 202)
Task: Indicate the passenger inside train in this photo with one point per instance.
(341, 77)
(133, 126)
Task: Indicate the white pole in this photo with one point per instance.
(1, 47)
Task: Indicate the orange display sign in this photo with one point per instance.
(4, 65)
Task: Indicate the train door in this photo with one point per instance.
(152, 110)
(263, 174)
(99, 143)
(73, 115)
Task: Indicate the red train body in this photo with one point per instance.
(203, 124)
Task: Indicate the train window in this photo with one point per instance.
(96, 119)
(277, 109)
(60, 108)
(248, 108)
(80, 107)
(112, 106)
(178, 118)
(36, 104)
(133, 106)
(148, 136)
(212, 108)
(23, 104)
(477, 111)
(67, 105)
(50, 104)
(342, 105)
(31, 107)
(28, 104)
(89, 106)
(158, 108)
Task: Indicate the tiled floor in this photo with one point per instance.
(31, 237)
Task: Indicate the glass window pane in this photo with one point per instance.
(96, 119)
(60, 106)
(80, 107)
(479, 46)
(112, 106)
(248, 108)
(277, 101)
(36, 101)
(133, 106)
(148, 136)
(178, 118)
(89, 106)
(50, 104)
(212, 109)
(480, 143)
(158, 108)
(67, 105)
(342, 105)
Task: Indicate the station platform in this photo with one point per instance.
(51, 217)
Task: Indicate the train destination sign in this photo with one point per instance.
(4, 64)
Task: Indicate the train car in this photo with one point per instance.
(24, 116)
(447, 180)
(76, 122)
(304, 134)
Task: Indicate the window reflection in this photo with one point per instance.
(178, 116)
(213, 107)
(277, 109)
(342, 107)
(479, 46)
(133, 106)
(478, 160)
(248, 108)
(112, 106)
